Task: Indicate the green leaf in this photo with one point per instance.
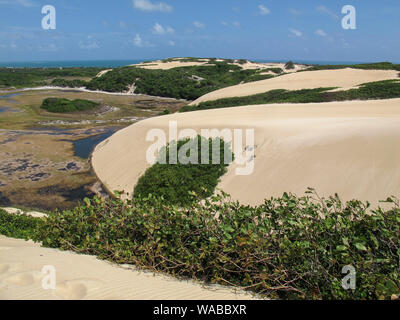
(361, 247)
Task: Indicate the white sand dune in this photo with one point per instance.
(249, 65)
(349, 148)
(160, 65)
(85, 277)
(343, 78)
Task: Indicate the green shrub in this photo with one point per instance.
(59, 105)
(288, 247)
(18, 226)
(289, 65)
(177, 183)
(69, 83)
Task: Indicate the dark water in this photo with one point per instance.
(8, 96)
(84, 147)
(9, 100)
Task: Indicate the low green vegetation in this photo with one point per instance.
(33, 77)
(180, 83)
(373, 90)
(76, 83)
(365, 66)
(289, 65)
(181, 183)
(286, 248)
(18, 226)
(60, 105)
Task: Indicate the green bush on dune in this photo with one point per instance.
(288, 247)
(18, 226)
(177, 183)
(59, 105)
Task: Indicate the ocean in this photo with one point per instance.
(120, 63)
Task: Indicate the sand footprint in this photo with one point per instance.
(76, 289)
(24, 278)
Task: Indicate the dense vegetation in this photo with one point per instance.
(373, 90)
(182, 83)
(60, 105)
(365, 66)
(31, 77)
(178, 183)
(76, 83)
(18, 226)
(288, 247)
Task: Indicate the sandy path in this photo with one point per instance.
(159, 65)
(85, 277)
(343, 78)
(349, 148)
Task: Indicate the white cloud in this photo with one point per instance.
(171, 43)
(122, 24)
(325, 10)
(199, 25)
(24, 3)
(297, 33)
(263, 10)
(138, 42)
(321, 33)
(236, 24)
(147, 5)
(89, 44)
(159, 29)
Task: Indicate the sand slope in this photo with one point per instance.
(85, 277)
(349, 148)
(343, 78)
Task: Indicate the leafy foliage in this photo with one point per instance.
(178, 183)
(69, 83)
(21, 77)
(60, 105)
(18, 226)
(180, 83)
(373, 90)
(288, 247)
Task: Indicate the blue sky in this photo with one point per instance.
(145, 29)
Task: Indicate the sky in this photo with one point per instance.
(148, 29)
